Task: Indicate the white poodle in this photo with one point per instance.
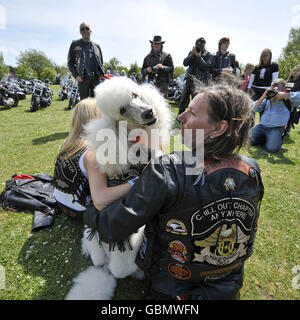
(128, 110)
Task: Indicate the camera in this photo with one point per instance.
(198, 49)
(272, 93)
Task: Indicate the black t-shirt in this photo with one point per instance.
(263, 74)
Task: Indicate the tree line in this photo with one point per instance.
(34, 63)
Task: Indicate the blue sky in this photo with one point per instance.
(123, 28)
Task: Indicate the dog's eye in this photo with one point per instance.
(134, 96)
(122, 111)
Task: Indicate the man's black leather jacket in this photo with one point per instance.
(160, 75)
(220, 61)
(76, 58)
(199, 66)
(200, 229)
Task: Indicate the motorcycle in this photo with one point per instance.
(63, 93)
(41, 96)
(74, 97)
(176, 88)
(7, 97)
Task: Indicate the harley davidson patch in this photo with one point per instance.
(178, 251)
(179, 271)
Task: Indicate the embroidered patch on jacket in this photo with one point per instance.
(176, 226)
(77, 48)
(223, 231)
(178, 251)
(179, 271)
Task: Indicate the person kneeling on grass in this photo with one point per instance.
(275, 104)
(201, 217)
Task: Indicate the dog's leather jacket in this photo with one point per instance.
(76, 61)
(199, 228)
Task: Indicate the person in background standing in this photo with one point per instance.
(263, 74)
(158, 66)
(85, 62)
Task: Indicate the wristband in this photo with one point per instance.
(132, 181)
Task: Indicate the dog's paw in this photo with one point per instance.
(139, 274)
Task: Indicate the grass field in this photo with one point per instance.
(41, 265)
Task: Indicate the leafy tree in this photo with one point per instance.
(112, 64)
(134, 68)
(34, 59)
(24, 72)
(178, 71)
(48, 73)
(293, 45)
(290, 56)
(3, 67)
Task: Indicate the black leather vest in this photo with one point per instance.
(69, 178)
(209, 232)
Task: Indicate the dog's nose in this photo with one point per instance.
(148, 114)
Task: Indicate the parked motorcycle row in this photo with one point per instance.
(12, 91)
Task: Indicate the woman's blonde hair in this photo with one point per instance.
(83, 112)
(261, 63)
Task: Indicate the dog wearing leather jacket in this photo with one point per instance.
(141, 108)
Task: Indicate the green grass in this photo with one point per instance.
(41, 265)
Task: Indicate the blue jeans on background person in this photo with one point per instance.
(270, 137)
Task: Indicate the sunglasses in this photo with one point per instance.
(84, 29)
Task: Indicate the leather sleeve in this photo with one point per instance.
(71, 61)
(146, 199)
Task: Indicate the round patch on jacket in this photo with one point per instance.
(178, 251)
(179, 271)
(176, 226)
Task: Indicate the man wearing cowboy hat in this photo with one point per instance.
(158, 65)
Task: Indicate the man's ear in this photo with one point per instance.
(220, 128)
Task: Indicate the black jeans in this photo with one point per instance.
(87, 86)
(185, 98)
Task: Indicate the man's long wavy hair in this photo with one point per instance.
(227, 102)
(84, 111)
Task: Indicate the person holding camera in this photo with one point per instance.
(198, 62)
(85, 62)
(158, 66)
(276, 106)
(223, 62)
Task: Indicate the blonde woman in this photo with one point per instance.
(294, 79)
(263, 74)
(76, 176)
(246, 75)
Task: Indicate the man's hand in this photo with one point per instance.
(79, 79)
(195, 53)
(149, 69)
(160, 66)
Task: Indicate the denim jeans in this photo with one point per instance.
(270, 137)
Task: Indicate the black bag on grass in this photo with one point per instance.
(31, 193)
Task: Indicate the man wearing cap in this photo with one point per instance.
(158, 65)
(85, 62)
(198, 62)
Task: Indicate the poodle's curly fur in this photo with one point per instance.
(143, 108)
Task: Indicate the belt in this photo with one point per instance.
(69, 212)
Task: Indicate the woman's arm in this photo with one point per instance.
(102, 195)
